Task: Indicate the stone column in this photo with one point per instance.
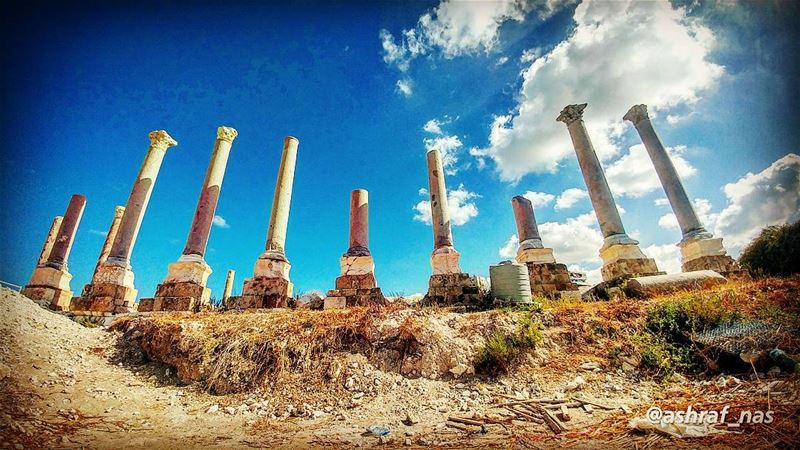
(270, 286)
(49, 241)
(273, 262)
(356, 286)
(112, 288)
(226, 293)
(445, 258)
(112, 233)
(617, 245)
(696, 242)
(50, 280)
(530, 243)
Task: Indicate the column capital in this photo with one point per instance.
(226, 134)
(161, 139)
(119, 211)
(571, 113)
(636, 114)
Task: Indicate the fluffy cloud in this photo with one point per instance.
(755, 201)
(448, 146)
(570, 197)
(662, 201)
(434, 126)
(459, 203)
(219, 221)
(633, 175)
(667, 256)
(575, 241)
(652, 54)
(703, 209)
(509, 250)
(539, 199)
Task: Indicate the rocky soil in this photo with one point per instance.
(63, 385)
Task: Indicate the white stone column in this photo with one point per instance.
(49, 241)
(445, 258)
(273, 262)
(112, 233)
(696, 242)
(191, 266)
(226, 293)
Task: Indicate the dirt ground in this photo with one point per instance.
(63, 385)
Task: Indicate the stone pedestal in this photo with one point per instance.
(626, 260)
(355, 290)
(50, 285)
(457, 289)
(263, 292)
(707, 254)
(112, 289)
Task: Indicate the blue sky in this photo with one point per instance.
(367, 87)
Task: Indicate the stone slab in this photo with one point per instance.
(445, 260)
(459, 289)
(356, 265)
(334, 303)
(535, 255)
(627, 268)
(262, 292)
(664, 284)
(549, 278)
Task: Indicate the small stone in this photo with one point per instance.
(410, 420)
(213, 409)
(230, 410)
(407, 442)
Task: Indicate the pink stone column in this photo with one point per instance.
(209, 195)
(66, 234)
(49, 241)
(527, 230)
(125, 239)
(359, 223)
(112, 233)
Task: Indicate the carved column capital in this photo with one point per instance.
(226, 134)
(162, 140)
(636, 114)
(571, 113)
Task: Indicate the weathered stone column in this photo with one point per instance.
(184, 288)
(226, 293)
(50, 280)
(621, 254)
(445, 258)
(546, 276)
(112, 233)
(699, 249)
(112, 288)
(270, 286)
(49, 241)
(356, 286)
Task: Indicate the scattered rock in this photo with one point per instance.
(410, 420)
(213, 409)
(378, 430)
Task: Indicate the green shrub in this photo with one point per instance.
(776, 251)
(500, 351)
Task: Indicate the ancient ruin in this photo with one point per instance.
(270, 286)
(112, 289)
(184, 288)
(226, 292)
(105, 250)
(448, 285)
(700, 250)
(50, 280)
(621, 254)
(356, 285)
(547, 277)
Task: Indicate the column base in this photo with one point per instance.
(355, 290)
(356, 265)
(707, 254)
(535, 255)
(272, 265)
(626, 260)
(177, 296)
(445, 261)
(549, 279)
(457, 289)
(105, 298)
(263, 292)
(724, 265)
(50, 285)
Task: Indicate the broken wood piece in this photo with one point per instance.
(525, 415)
(461, 427)
(551, 422)
(593, 403)
(568, 405)
(466, 421)
(588, 408)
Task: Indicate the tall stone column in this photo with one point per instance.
(621, 254)
(547, 277)
(356, 286)
(699, 249)
(445, 258)
(226, 293)
(49, 241)
(50, 280)
(112, 233)
(184, 288)
(270, 286)
(112, 289)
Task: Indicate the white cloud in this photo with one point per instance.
(98, 232)
(501, 60)
(668, 257)
(434, 126)
(633, 175)
(703, 209)
(459, 205)
(663, 201)
(404, 87)
(770, 197)
(570, 197)
(539, 199)
(509, 250)
(575, 241)
(220, 222)
(651, 53)
(448, 146)
(530, 55)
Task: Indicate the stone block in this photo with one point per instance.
(188, 269)
(628, 268)
(262, 292)
(547, 279)
(145, 305)
(665, 284)
(364, 281)
(458, 289)
(722, 264)
(357, 265)
(269, 266)
(105, 297)
(334, 303)
(697, 248)
(44, 276)
(445, 260)
(535, 255)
